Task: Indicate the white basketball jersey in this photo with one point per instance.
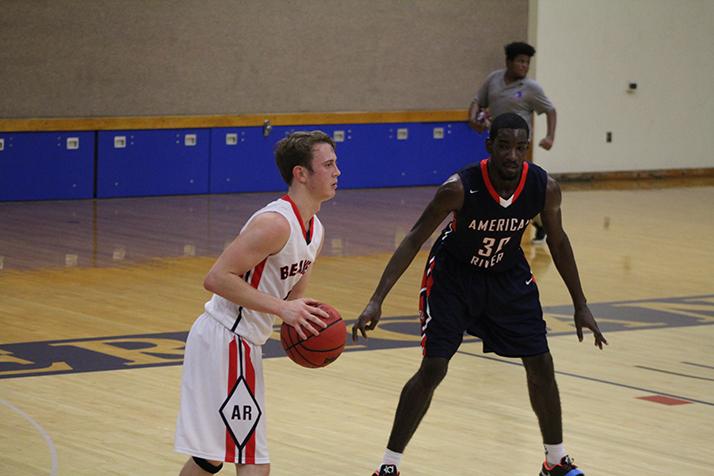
(275, 275)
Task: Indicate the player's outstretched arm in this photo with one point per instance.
(265, 235)
(564, 259)
(449, 197)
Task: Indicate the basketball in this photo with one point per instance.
(317, 350)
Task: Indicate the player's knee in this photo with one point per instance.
(539, 369)
(433, 371)
(208, 466)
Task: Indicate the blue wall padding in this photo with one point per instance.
(40, 166)
(223, 160)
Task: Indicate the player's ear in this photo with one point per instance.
(489, 146)
(300, 173)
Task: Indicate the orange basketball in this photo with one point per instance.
(317, 350)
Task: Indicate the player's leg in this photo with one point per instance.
(199, 429)
(545, 400)
(251, 451)
(253, 469)
(443, 321)
(221, 419)
(516, 328)
(200, 467)
(414, 401)
(413, 404)
(544, 396)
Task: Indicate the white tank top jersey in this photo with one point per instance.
(275, 275)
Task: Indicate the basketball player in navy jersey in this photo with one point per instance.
(263, 273)
(477, 280)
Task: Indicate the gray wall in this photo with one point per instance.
(588, 53)
(79, 58)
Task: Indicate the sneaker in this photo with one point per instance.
(565, 468)
(539, 234)
(386, 470)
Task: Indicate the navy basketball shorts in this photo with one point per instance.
(501, 308)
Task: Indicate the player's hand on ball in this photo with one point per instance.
(367, 320)
(303, 314)
(317, 350)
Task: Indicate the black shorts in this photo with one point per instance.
(501, 308)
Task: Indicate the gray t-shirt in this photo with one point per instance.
(522, 97)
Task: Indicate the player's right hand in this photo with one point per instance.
(584, 318)
(303, 313)
(367, 320)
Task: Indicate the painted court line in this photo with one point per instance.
(592, 379)
(699, 365)
(669, 372)
(41, 431)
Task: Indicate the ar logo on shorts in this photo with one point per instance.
(240, 413)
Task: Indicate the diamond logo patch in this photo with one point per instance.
(240, 413)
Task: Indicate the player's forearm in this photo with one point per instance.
(551, 120)
(564, 260)
(232, 287)
(399, 262)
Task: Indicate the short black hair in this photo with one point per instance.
(296, 149)
(507, 120)
(518, 48)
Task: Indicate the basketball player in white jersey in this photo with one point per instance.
(261, 274)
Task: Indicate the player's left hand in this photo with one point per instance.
(546, 143)
(584, 318)
(367, 321)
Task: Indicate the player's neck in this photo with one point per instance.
(504, 187)
(306, 205)
(509, 77)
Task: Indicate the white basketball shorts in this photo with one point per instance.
(222, 415)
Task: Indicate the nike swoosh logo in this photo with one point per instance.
(473, 191)
(529, 281)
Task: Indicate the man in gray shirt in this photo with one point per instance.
(508, 90)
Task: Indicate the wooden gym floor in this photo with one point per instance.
(96, 298)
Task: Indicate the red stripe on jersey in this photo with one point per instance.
(522, 183)
(487, 181)
(306, 234)
(492, 190)
(427, 282)
(257, 274)
(232, 377)
(249, 455)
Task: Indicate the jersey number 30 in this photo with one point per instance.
(487, 250)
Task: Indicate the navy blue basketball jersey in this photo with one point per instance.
(486, 233)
